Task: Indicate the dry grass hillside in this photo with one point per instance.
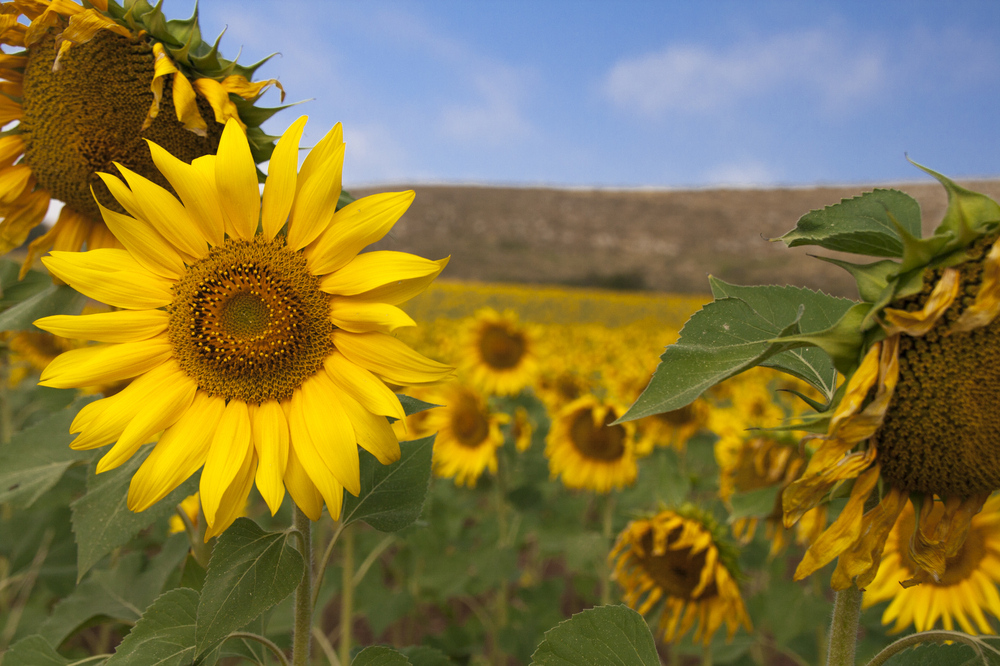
(657, 240)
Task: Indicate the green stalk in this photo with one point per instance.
(500, 602)
(607, 523)
(347, 596)
(302, 635)
(843, 640)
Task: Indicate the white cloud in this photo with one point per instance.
(750, 173)
(692, 78)
(372, 155)
(495, 117)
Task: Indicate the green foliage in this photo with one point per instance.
(421, 655)
(102, 520)
(956, 654)
(51, 300)
(603, 636)
(33, 651)
(745, 327)
(250, 571)
(378, 655)
(34, 460)
(392, 495)
(164, 635)
(866, 225)
(412, 405)
(757, 503)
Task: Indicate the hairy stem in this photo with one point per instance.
(274, 649)
(843, 640)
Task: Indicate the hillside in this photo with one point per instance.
(632, 239)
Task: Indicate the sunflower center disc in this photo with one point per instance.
(468, 424)
(249, 322)
(500, 348)
(676, 571)
(79, 120)
(606, 442)
(678, 417)
(941, 433)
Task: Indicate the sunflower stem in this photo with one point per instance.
(302, 636)
(347, 596)
(500, 610)
(607, 522)
(843, 640)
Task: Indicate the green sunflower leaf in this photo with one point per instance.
(164, 635)
(120, 593)
(412, 405)
(423, 655)
(757, 503)
(379, 655)
(51, 300)
(34, 460)
(744, 328)
(14, 290)
(33, 651)
(250, 571)
(602, 636)
(102, 520)
(862, 225)
(392, 496)
(956, 654)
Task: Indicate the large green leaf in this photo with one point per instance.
(250, 571)
(379, 655)
(602, 636)
(737, 332)
(102, 520)
(33, 651)
(164, 635)
(51, 300)
(956, 654)
(413, 405)
(121, 593)
(757, 503)
(423, 655)
(862, 225)
(13, 290)
(392, 496)
(34, 460)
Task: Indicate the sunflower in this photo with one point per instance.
(967, 588)
(468, 435)
(262, 354)
(498, 353)
(521, 429)
(586, 451)
(678, 558)
(86, 87)
(673, 428)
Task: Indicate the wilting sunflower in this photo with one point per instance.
(87, 86)
(967, 588)
(261, 353)
(468, 435)
(916, 414)
(498, 352)
(586, 451)
(679, 560)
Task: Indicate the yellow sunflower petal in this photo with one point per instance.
(166, 214)
(333, 435)
(401, 291)
(282, 174)
(163, 408)
(316, 201)
(311, 460)
(356, 226)
(389, 358)
(374, 434)
(196, 191)
(162, 67)
(104, 364)
(11, 147)
(363, 386)
(186, 105)
(860, 562)
(986, 306)
(83, 25)
(236, 179)
(18, 223)
(249, 90)
(302, 489)
(359, 316)
(227, 457)
(235, 498)
(14, 180)
(121, 326)
(145, 244)
(112, 277)
(917, 323)
(218, 99)
(122, 194)
(319, 154)
(844, 531)
(372, 270)
(270, 439)
(180, 453)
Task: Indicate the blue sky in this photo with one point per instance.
(632, 94)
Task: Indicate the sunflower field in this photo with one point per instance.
(233, 433)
